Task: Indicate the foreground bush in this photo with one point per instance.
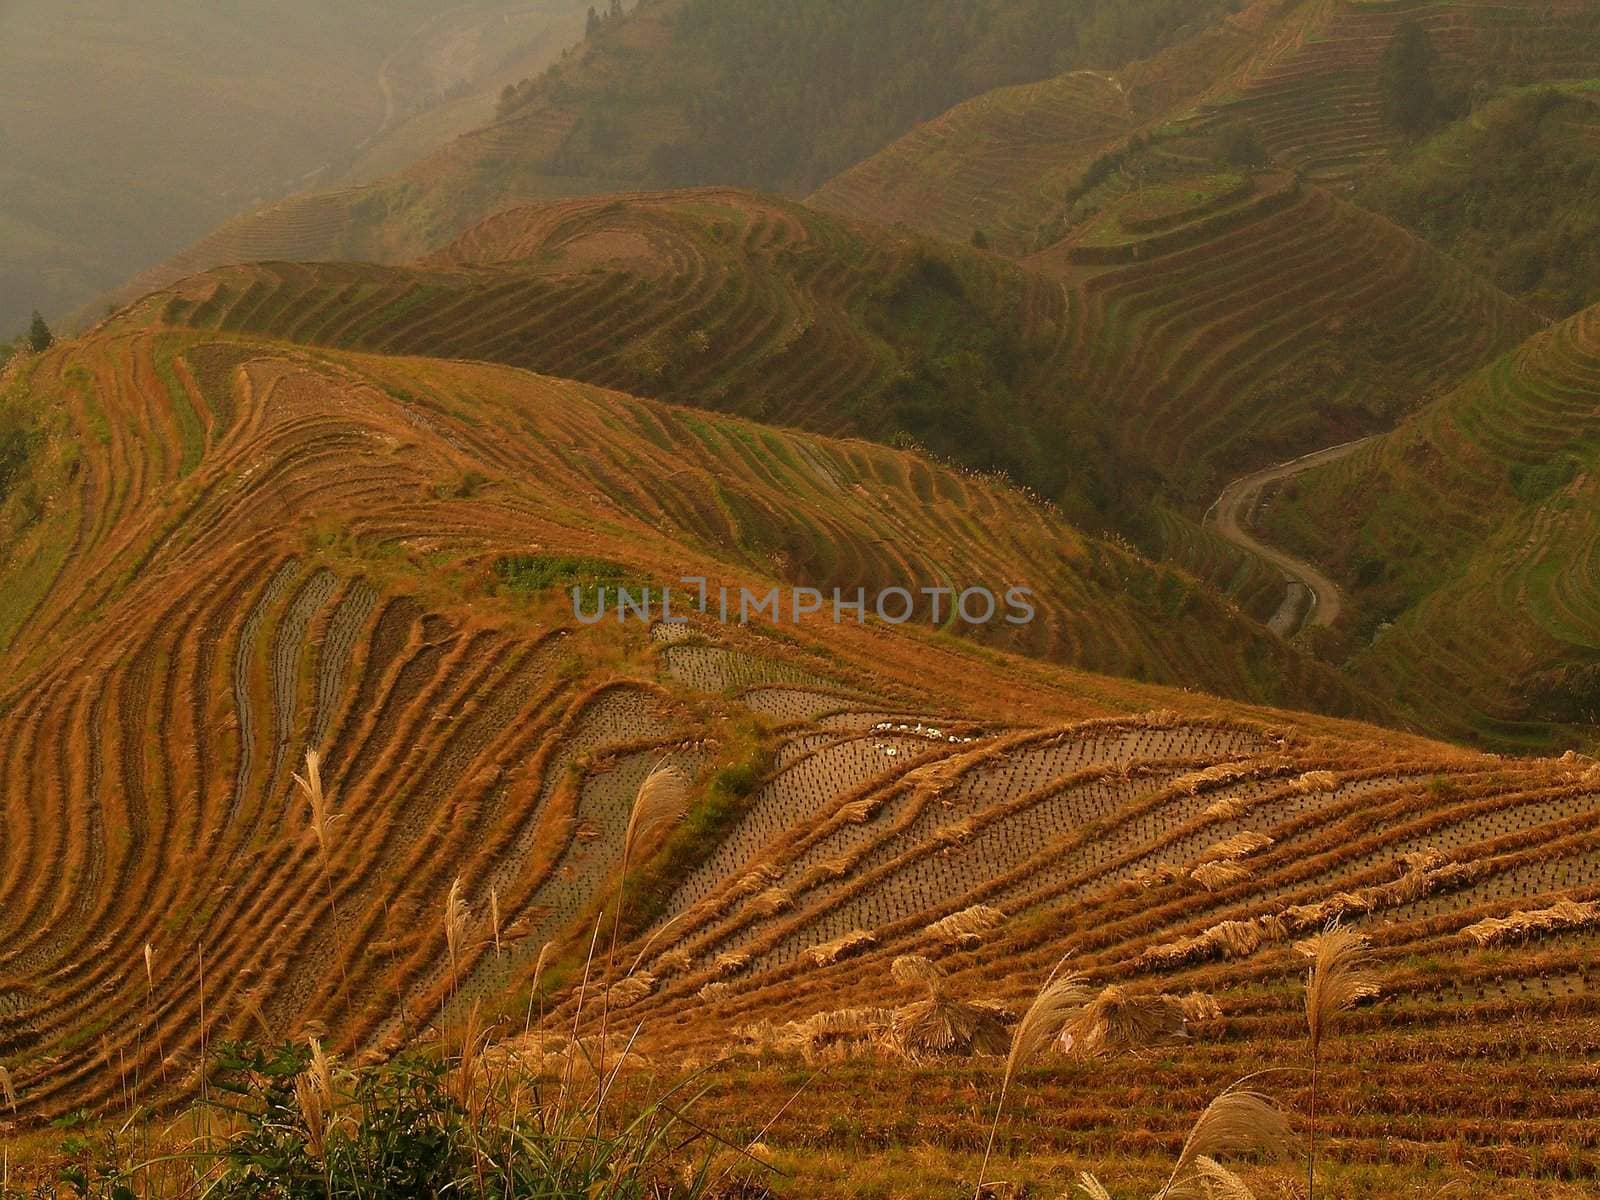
(290, 1124)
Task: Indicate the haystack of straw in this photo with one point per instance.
(842, 948)
(1118, 1019)
(940, 1023)
(967, 927)
(1521, 925)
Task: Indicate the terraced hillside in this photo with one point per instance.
(714, 296)
(1000, 163)
(270, 550)
(1314, 97)
(1171, 859)
(1465, 190)
(1304, 77)
(1471, 528)
(1213, 336)
(243, 553)
(1239, 322)
(719, 299)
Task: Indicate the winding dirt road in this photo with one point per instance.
(1231, 517)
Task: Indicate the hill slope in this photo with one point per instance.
(1302, 78)
(1469, 190)
(1316, 96)
(719, 299)
(270, 550)
(385, 547)
(1471, 527)
(1001, 163)
(1158, 366)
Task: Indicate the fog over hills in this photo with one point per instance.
(127, 129)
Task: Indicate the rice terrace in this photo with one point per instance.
(740, 599)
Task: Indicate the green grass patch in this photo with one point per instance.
(597, 581)
(191, 431)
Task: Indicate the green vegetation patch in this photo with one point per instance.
(191, 432)
(596, 579)
(1169, 204)
(960, 377)
(1512, 191)
(213, 366)
(17, 440)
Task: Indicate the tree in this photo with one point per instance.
(1405, 80)
(593, 27)
(616, 10)
(1240, 146)
(40, 338)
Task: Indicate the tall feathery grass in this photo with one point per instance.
(1339, 978)
(1058, 1000)
(1237, 1121)
(659, 803)
(457, 923)
(320, 819)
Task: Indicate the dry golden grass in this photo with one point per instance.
(771, 902)
(313, 1089)
(1219, 1182)
(916, 969)
(1237, 938)
(1239, 845)
(1316, 781)
(321, 817)
(632, 989)
(661, 801)
(457, 918)
(842, 947)
(1214, 876)
(943, 1025)
(1340, 977)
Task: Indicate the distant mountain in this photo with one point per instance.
(127, 130)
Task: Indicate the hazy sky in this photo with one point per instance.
(130, 128)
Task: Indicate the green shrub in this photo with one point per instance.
(420, 1126)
